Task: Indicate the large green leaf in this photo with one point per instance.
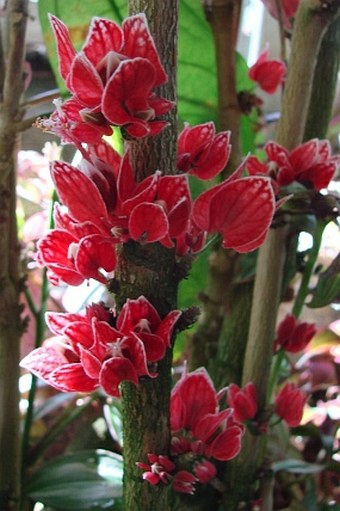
(83, 480)
(77, 15)
(197, 89)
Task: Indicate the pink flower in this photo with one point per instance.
(112, 78)
(90, 352)
(194, 411)
(269, 74)
(311, 164)
(289, 8)
(243, 401)
(202, 153)
(293, 335)
(240, 209)
(289, 404)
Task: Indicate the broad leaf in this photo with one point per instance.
(197, 89)
(298, 466)
(83, 480)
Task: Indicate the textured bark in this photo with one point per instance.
(11, 81)
(151, 271)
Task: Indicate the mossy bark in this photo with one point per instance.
(151, 270)
(12, 46)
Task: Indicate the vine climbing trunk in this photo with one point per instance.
(12, 44)
(151, 271)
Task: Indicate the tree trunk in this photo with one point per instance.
(11, 88)
(151, 271)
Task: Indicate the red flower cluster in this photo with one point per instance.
(112, 81)
(197, 424)
(293, 335)
(289, 404)
(199, 431)
(159, 469)
(89, 352)
(268, 74)
(311, 164)
(106, 206)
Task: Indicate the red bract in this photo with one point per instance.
(289, 8)
(194, 413)
(293, 335)
(289, 404)
(311, 164)
(243, 401)
(90, 352)
(268, 74)
(202, 153)
(112, 78)
(240, 209)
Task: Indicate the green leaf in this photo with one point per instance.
(77, 15)
(298, 466)
(83, 480)
(328, 287)
(197, 88)
(243, 82)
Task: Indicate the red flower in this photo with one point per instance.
(184, 482)
(157, 470)
(269, 74)
(112, 78)
(289, 8)
(294, 335)
(311, 164)
(194, 410)
(74, 252)
(243, 401)
(289, 404)
(204, 470)
(71, 126)
(202, 153)
(91, 353)
(240, 209)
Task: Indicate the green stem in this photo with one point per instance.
(275, 372)
(39, 316)
(308, 271)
